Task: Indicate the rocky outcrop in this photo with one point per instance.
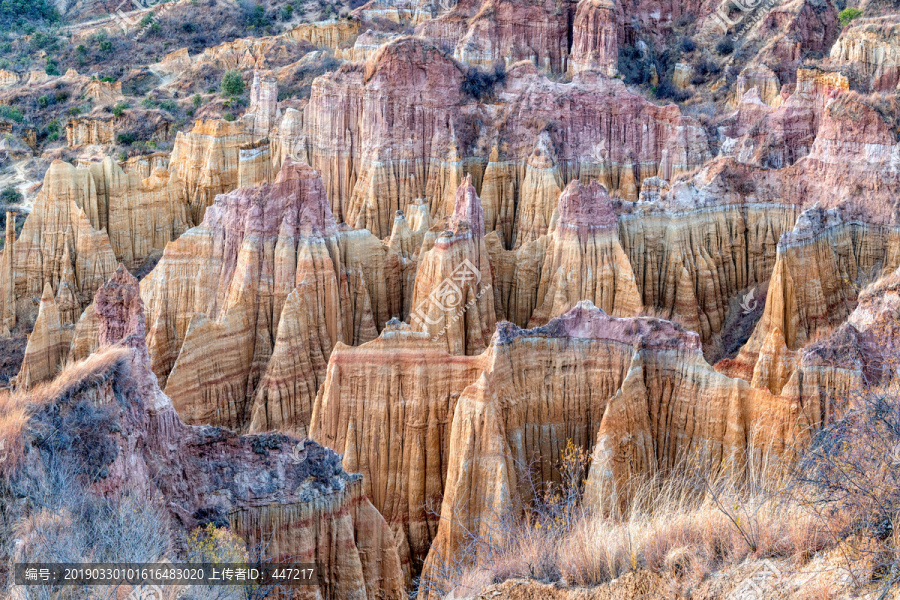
(650, 402)
(294, 498)
(326, 34)
(873, 46)
(453, 296)
(89, 131)
(257, 245)
(104, 92)
(820, 268)
(48, 344)
(59, 244)
(764, 80)
(594, 43)
(255, 164)
(394, 428)
(263, 113)
(401, 128)
(204, 163)
(584, 259)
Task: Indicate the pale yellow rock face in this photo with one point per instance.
(453, 296)
(141, 215)
(48, 344)
(821, 266)
(204, 163)
(326, 34)
(584, 259)
(263, 113)
(648, 401)
(873, 46)
(89, 131)
(683, 272)
(59, 245)
(255, 164)
(257, 245)
(764, 80)
(775, 364)
(386, 406)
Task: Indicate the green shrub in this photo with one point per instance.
(287, 12)
(146, 21)
(847, 15)
(196, 100)
(228, 116)
(126, 139)
(18, 11)
(257, 17)
(232, 84)
(119, 109)
(43, 101)
(725, 46)
(10, 195)
(169, 105)
(148, 102)
(51, 68)
(11, 113)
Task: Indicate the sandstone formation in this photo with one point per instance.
(764, 80)
(400, 128)
(650, 402)
(453, 297)
(386, 407)
(89, 131)
(820, 268)
(84, 221)
(326, 34)
(59, 245)
(594, 43)
(48, 344)
(263, 112)
(258, 245)
(584, 259)
(300, 502)
(872, 46)
(204, 163)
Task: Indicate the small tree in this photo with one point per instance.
(10, 195)
(232, 84)
(848, 14)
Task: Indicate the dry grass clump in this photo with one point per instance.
(96, 370)
(18, 407)
(685, 527)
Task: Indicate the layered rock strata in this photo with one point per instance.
(293, 498)
(648, 403)
(400, 128)
(453, 296)
(594, 43)
(90, 131)
(386, 407)
(584, 259)
(820, 268)
(268, 252)
(204, 163)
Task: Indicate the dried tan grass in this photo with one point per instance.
(17, 408)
